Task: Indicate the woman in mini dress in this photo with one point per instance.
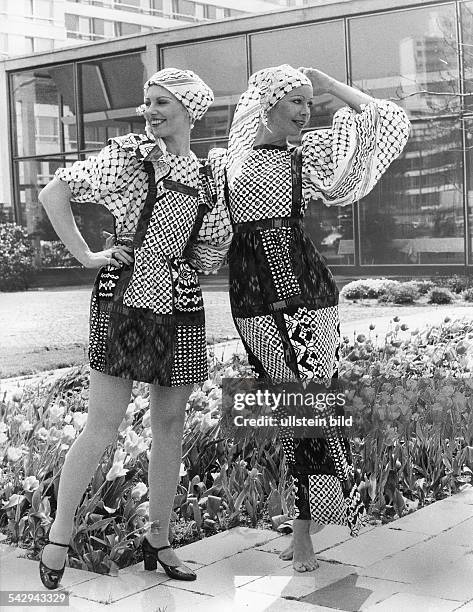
(146, 313)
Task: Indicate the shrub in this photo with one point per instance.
(467, 295)
(404, 293)
(54, 253)
(423, 286)
(456, 283)
(369, 288)
(16, 257)
(440, 295)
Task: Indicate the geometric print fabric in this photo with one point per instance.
(315, 339)
(128, 336)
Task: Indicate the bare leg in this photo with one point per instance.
(108, 400)
(167, 407)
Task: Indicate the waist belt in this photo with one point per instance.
(263, 224)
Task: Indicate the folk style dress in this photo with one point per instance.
(147, 319)
(283, 297)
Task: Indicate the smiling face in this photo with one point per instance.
(292, 113)
(165, 115)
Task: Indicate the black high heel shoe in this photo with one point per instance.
(51, 577)
(151, 558)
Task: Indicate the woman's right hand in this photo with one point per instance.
(115, 256)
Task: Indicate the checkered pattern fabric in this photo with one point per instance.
(326, 502)
(265, 88)
(314, 337)
(344, 163)
(259, 195)
(191, 91)
(209, 250)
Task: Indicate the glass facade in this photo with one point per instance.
(50, 132)
(418, 215)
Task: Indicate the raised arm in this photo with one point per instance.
(324, 84)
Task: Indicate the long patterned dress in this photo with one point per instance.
(283, 297)
(147, 319)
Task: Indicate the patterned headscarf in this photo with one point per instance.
(191, 91)
(265, 88)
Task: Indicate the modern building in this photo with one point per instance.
(63, 105)
(31, 26)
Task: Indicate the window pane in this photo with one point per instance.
(415, 213)
(32, 176)
(467, 35)
(222, 65)
(303, 46)
(331, 230)
(110, 108)
(47, 94)
(403, 55)
(201, 149)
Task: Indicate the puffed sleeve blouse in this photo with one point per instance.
(343, 163)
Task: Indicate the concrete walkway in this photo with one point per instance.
(420, 563)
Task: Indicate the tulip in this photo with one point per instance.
(30, 483)
(138, 491)
(79, 419)
(17, 395)
(3, 438)
(116, 471)
(134, 444)
(147, 419)
(25, 427)
(14, 453)
(55, 413)
(143, 509)
(68, 432)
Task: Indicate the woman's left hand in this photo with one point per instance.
(321, 82)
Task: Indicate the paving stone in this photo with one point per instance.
(161, 597)
(232, 572)
(239, 600)
(460, 535)
(451, 581)
(413, 603)
(416, 563)
(225, 544)
(353, 592)
(372, 546)
(435, 518)
(289, 583)
(15, 573)
(107, 589)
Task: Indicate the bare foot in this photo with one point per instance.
(287, 553)
(303, 559)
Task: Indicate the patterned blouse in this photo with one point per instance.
(116, 178)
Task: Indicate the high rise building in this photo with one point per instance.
(31, 26)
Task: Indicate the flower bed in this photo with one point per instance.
(412, 444)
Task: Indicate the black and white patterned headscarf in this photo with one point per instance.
(191, 91)
(265, 88)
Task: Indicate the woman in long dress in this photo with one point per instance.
(284, 299)
(146, 313)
